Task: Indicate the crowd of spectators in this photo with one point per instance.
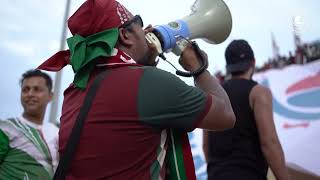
(306, 53)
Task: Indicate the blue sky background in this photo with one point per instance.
(30, 32)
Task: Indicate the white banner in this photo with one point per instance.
(296, 105)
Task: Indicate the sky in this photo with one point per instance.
(30, 32)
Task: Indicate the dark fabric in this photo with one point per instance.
(237, 149)
(236, 174)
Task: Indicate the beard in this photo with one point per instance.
(149, 59)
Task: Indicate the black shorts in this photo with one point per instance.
(235, 174)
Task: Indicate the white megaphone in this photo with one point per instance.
(209, 20)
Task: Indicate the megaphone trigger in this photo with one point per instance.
(181, 44)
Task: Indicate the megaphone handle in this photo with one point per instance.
(197, 72)
(152, 38)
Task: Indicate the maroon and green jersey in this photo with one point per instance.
(124, 136)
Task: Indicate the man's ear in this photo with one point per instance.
(253, 63)
(51, 96)
(125, 37)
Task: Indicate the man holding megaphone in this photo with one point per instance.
(122, 118)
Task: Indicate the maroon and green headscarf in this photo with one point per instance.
(94, 27)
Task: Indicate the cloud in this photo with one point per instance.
(31, 51)
(14, 28)
(23, 49)
(53, 45)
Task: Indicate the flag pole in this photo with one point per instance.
(57, 80)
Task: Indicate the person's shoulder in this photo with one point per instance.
(261, 90)
(158, 75)
(8, 120)
(260, 93)
(9, 124)
(156, 71)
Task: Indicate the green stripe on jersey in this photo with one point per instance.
(34, 136)
(4, 145)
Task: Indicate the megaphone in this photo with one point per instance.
(209, 20)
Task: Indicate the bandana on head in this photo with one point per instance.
(94, 27)
(95, 16)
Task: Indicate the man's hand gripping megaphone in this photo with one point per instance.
(188, 51)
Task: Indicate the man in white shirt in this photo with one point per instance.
(24, 150)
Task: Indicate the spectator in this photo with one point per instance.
(246, 151)
(291, 58)
(24, 153)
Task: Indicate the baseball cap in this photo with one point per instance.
(239, 56)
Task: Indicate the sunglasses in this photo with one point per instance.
(136, 19)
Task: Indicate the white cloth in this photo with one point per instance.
(50, 133)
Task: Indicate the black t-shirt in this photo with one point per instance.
(237, 149)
